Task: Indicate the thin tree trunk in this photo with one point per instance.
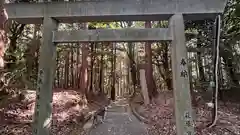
(230, 68)
(133, 67)
(58, 70)
(193, 97)
(66, 72)
(93, 50)
(78, 69)
(149, 69)
(199, 60)
(168, 73)
(62, 76)
(30, 57)
(84, 68)
(101, 72)
(72, 67)
(84, 75)
(92, 65)
(113, 90)
(128, 77)
(4, 38)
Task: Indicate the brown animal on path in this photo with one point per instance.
(102, 113)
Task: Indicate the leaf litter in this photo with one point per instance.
(68, 111)
(162, 121)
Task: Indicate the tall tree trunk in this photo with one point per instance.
(84, 69)
(4, 38)
(66, 72)
(93, 50)
(97, 74)
(72, 66)
(132, 64)
(228, 59)
(58, 64)
(31, 57)
(113, 90)
(149, 69)
(120, 78)
(193, 97)
(62, 76)
(92, 65)
(168, 73)
(84, 73)
(128, 76)
(78, 68)
(96, 71)
(101, 77)
(199, 59)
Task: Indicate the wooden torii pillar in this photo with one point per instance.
(50, 14)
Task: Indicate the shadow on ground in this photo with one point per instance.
(68, 112)
(162, 121)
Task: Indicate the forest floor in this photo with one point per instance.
(162, 121)
(68, 111)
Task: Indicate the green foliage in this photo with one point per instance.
(111, 25)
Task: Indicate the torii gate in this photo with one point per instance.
(52, 13)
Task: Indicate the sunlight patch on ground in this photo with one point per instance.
(66, 107)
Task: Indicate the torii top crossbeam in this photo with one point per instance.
(114, 10)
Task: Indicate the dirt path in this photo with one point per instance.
(119, 121)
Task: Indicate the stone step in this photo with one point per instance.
(118, 106)
(122, 109)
